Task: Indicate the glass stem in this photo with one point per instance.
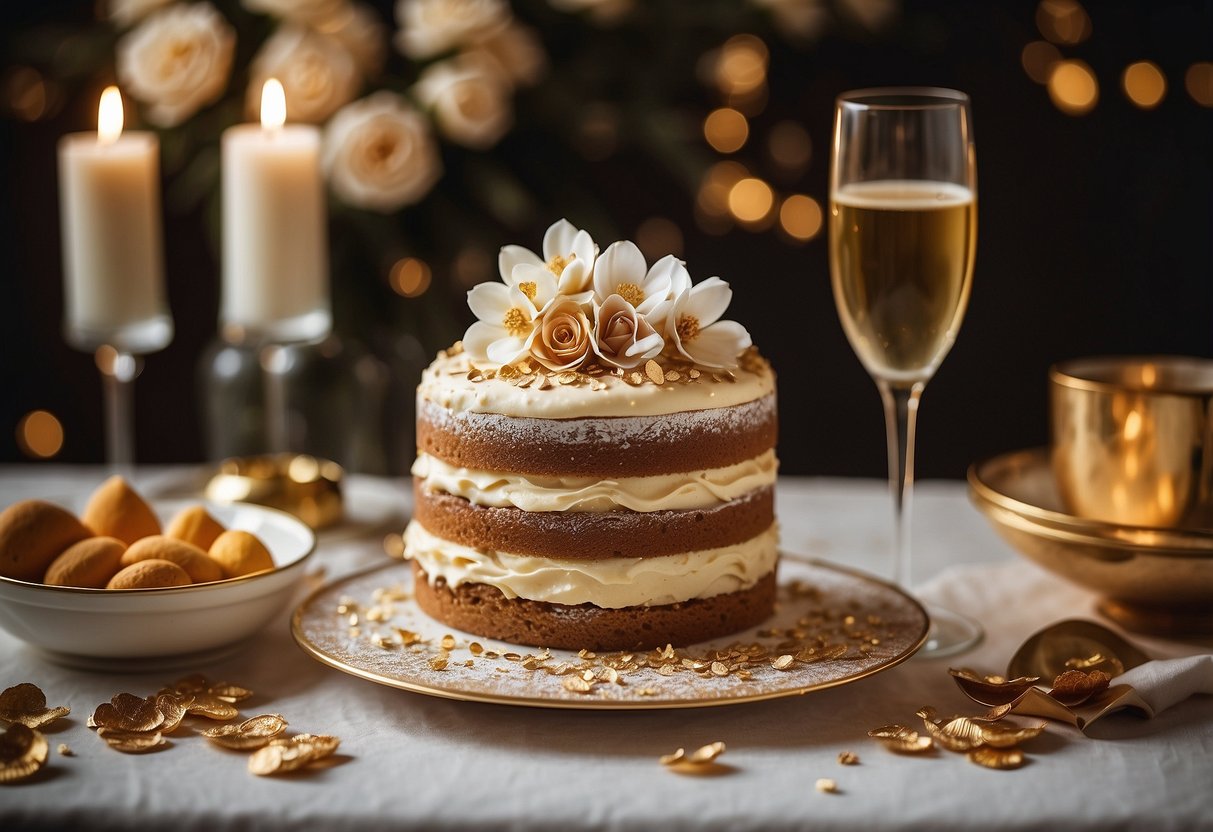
(277, 429)
(118, 372)
(901, 416)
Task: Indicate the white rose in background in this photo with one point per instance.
(432, 27)
(569, 253)
(563, 336)
(304, 11)
(623, 338)
(359, 29)
(621, 270)
(379, 154)
(470, 103)
(317, 73)
(128, 12)
(517, 53)
(694, 326)
(177, 61)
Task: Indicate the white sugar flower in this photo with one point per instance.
(623, 338)
(470, 101)
(621, 270)
(177, 61)
(506, 325)
(128, 12)
(431, 27)
(379, 153)
(569, 253)
(318, 74)
(304, 11)
(693, 325)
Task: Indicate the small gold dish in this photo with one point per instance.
(1152, 580)
(299, 484)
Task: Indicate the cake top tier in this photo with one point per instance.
(528, 389)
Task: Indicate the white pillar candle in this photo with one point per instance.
(275, 240)
(109, 189)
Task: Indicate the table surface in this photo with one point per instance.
(409, 761)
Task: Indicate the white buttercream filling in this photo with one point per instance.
(611, 583)
(445, 383)
(683, 491)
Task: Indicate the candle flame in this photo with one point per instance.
(273, 105)
(109, 116)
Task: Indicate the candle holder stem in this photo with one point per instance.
(274, 366)
(118, 373)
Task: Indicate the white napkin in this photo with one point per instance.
(1163, 682)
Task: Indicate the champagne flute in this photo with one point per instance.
(903, 233)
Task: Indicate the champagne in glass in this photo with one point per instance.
(903, 233)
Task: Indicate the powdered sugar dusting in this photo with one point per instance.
(864, 626)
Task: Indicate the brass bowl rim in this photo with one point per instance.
(1170, 542)
(1068, 374)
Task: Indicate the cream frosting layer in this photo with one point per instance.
(668, 492)
(612, 583)
(445, 383)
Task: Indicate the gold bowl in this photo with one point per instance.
(1152, 579)
(1133, 439)
(299, 484)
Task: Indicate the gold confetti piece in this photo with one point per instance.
(407, 637)
(23, 750)
(706, 754)
(229, 693)
(127, 712)
(1003, 735)
(191, 684)
(174, 707)
(292, 753)
(576, 684)
(670, 759)
(784, 662)
(990, 690)
(997, 758)
(647, 692)
(653, 370)
(65, 750)
(719, 669)
(1077, 686)
(254, 732)
(448, 642)
(212, 707)
(475, 648)
(672, 375)
(826, 785)
(848, 758)
(438, 663)
(901, 739)
(26, 703)
(132, 742)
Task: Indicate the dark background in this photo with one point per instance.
(1095, 237)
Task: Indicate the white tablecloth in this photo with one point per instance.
(413, 762)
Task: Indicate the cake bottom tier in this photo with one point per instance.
(483, 610)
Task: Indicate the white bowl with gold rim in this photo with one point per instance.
(115, 629)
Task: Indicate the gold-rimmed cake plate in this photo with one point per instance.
(836, 625)
(1152, 580)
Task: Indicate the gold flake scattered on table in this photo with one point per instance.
(132, 742)
(65, 750)
(901, 739)
(1075, 687)
(26, 703)
(255, 732)
(23, 751)
(826, 785)
(848, 758)
(291, 754)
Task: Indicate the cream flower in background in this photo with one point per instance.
(569, 253)
(177, 61)
(694, 326)
(432, 27)
(358, 28)
(516, 52)
(304, 11)
(318, 74)
(621, 270)
(506, 323)
(622, 336)
(563, 336)
(471, 104)
(128, 12)
(379, 153)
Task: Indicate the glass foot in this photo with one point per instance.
(950, 633)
